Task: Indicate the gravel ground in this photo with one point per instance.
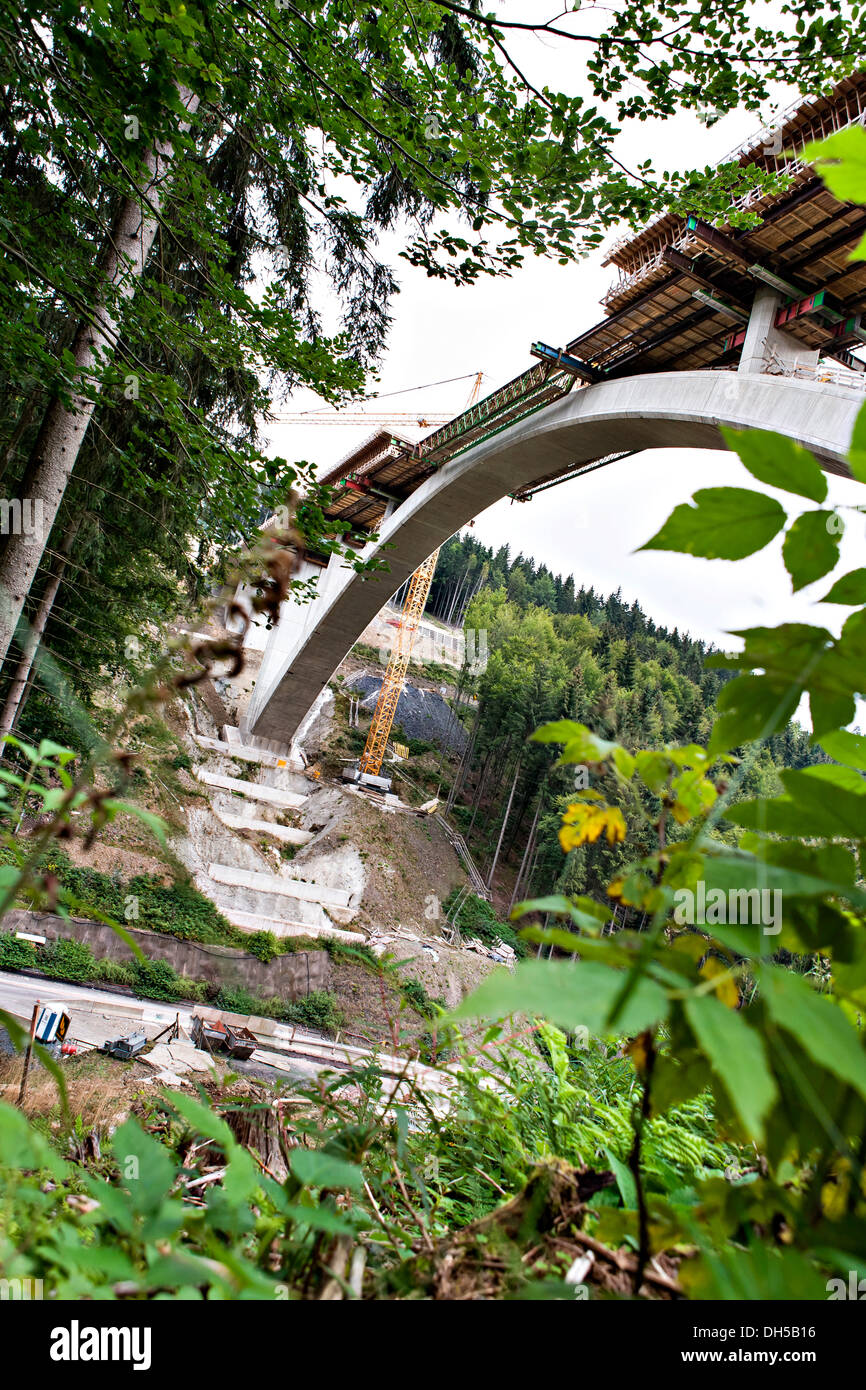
(422, 714)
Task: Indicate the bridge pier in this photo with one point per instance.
(766, 347)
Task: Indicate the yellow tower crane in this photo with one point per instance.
(398, 664)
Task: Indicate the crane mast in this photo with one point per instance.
(398, 664)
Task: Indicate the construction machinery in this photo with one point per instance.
(125, 1048)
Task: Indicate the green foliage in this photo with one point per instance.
(416, 995)
(264, 945)
(236, 999)
(319, 1009)
(715, 1003)
(476, 917)
(15, 954)
(144, 901)
(67, 959)
(156, 979)
(725, 523)
(115, 972)
(273, 178)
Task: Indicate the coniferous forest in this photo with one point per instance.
(557, 652)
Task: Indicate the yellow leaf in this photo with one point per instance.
(726, 990)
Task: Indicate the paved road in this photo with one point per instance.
(92, 1010)
(98, 1014)
(290, 1054)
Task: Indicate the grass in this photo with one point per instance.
(99, 1091)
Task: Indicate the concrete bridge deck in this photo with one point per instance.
(663, 410)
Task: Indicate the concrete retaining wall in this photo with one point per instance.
(290, 976)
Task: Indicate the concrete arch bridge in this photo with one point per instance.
(706, 326)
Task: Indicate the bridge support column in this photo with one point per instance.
(766, 347)
(296, 621)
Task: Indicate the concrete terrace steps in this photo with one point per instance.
(273, 883)
(254, 791)
(283, 926)
(251, 899)
(233, 735)
(244, 753)
(286, 833)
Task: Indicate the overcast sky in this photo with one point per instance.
(590, 528)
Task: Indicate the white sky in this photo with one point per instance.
(590, 528)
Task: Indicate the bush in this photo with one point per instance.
(477, 918)
(237, 1000)
(196, 990)
(69, 960)
(263, 945)
(415, 994)
(180, 910)
(115, 972)
(320, 1009)
(15, 954)
(156, 979)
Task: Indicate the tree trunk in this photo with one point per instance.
(530, 845)
(458, 585)
(30, 645)
(504, 823)
(63, 431)
(463, 768)
(479, 793)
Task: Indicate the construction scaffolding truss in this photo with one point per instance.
(392, 684)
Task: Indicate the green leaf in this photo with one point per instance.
(624, 1180)
(834, 863)
(146, 1170)
(584, 912)
(778, 461)
(581, 744)
(317, 1169)
(201, 1118)
(857, 452)
(49, 749)
(22, 1147)
(817, 803)
(321, 1219)
(727, 523)
(751, 707)
(845, 747)
(810, 549)
(736, 1053)
(819, 1025)
(572, 994)
(761, 1274)
(841, 162)
(849, 588)
(744, 872)
(794, 657)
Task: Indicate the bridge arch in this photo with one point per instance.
(681, 409)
